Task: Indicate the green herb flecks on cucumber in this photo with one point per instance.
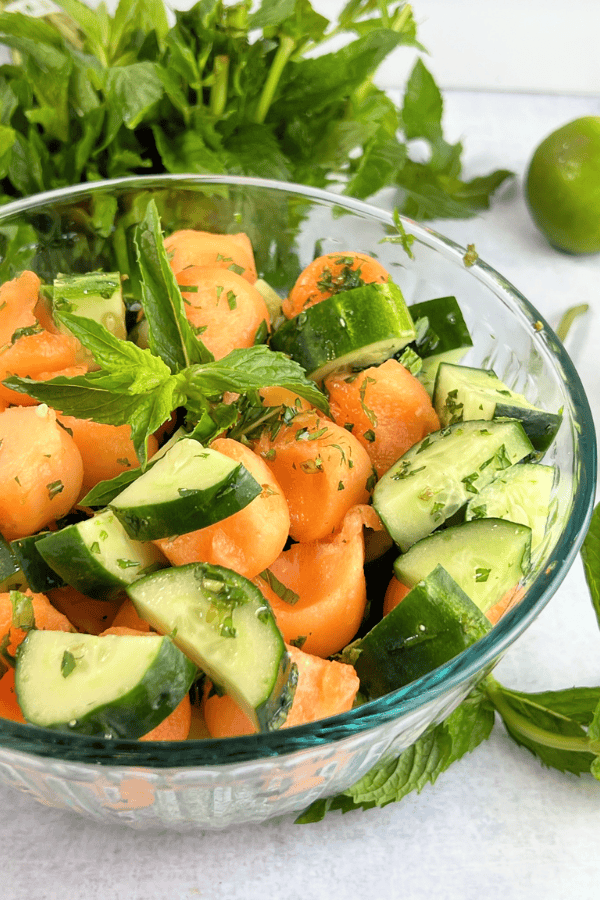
(434, 622)
(486, 557)
(114, 685)
(358, 328)
(462, 393)
(521, 494)
(439, 474)
(222, 621)
(97, 556)
(189, 488)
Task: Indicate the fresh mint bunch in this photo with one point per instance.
(226, 89)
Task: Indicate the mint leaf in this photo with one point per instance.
(250, 369)
(170, 334)
(105, 398)
(391, 780)
(549, 726)
(590, 554)
(139, 369)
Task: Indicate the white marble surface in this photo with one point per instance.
(497, 824)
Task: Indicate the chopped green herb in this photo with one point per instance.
(67, 664)
(54, 488)
(284, 593)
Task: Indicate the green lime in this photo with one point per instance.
(562, 186)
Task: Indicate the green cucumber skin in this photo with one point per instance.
(40, 576)
(463, 550)
(540, 426)
(68, 555)
(11, 574)
(139, 710)
(271, 712)
(447, 330)
(309, 340)
(196, 510)
(434, 623)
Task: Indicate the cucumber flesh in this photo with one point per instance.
(521, 494)
(221, 620)
(94, 295)
(462, 393)
(357, 328)
(115, 685)
(438, 475)
(486, 558)
(432, 624)
(188, 488)
(97, 556)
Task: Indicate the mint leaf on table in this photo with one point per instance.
(553, 725)
(590, 553)
(170, 333)
(421, 764)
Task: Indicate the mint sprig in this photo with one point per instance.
(421, 764)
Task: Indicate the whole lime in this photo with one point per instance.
(562, 186)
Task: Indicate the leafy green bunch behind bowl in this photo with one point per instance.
(223, 89)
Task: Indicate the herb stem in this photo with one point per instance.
(282, 55)
(218, 91)
(397, 24)
(535, 733)
(564, 326)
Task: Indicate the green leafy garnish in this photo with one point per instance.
(67, 664)
(224, 89)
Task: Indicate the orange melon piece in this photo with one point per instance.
(388, 408)
(232, 252)
(327, 576)
(323, 471)
(41, 471)
(224, 307)
(330, 274)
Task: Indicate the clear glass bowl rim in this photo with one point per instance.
(478, 658)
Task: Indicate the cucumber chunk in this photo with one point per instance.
(361, 327)
(12, 577)
(462, 393)
(97, 556)
(439, 474)
(95, 295)
(115, 685)
(442, 336)
(188, 488)
(486, 558)
(521, 494)
(432, 624)
(222, 621)
(38, 574)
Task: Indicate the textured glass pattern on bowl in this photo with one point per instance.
(209, 783)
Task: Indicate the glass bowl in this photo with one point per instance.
(218, 783)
